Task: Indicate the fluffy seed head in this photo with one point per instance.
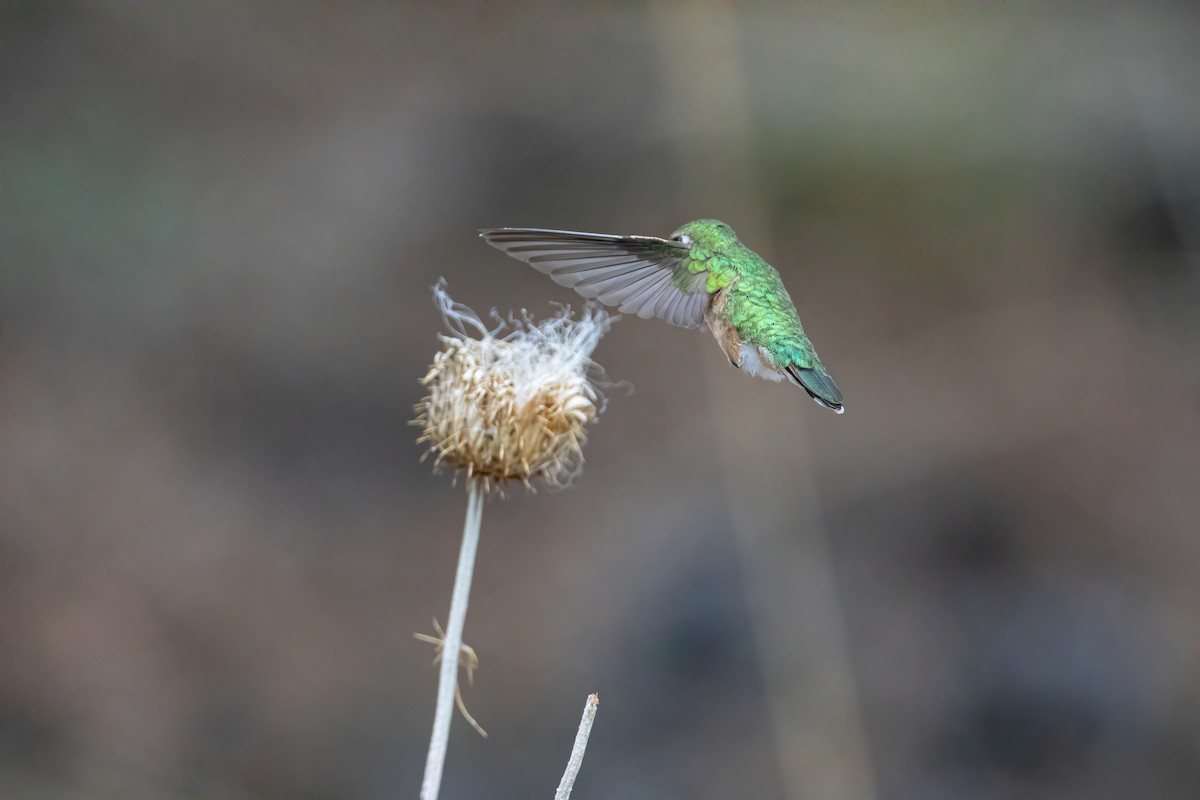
(512, 402)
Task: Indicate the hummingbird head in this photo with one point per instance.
(710, 234)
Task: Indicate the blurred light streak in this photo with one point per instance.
(1162, 118)
(819, 735)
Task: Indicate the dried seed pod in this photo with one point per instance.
(512, 403)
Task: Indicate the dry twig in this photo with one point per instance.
(466, 660)
(581, 739)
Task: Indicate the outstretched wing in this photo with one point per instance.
(642, 275)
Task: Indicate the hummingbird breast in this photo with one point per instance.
(722, 328)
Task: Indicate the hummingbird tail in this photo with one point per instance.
(819, 385)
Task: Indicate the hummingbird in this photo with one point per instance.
(701, 276)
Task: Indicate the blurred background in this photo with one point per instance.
(219, 225)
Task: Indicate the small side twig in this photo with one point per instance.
(466, 660)
(581, 739)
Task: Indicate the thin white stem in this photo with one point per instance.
(581, 739)
(448, 674)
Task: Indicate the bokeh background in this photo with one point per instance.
(219, 224)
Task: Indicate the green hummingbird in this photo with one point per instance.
(702, 275)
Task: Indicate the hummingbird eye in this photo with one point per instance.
(682, 238)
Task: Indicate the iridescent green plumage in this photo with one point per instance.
(702, 275)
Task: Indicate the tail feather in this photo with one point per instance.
(819, 385)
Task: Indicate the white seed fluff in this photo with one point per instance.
(513, 402)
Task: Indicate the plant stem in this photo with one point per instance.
(448, 673)
(581, 739)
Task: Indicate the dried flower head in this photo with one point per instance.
(512, 402)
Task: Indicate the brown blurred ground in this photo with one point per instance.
(218, 228)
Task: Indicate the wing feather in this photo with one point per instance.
(630, 295)
(642, 275)
(638, 298)
(662, 302)
(609, 282)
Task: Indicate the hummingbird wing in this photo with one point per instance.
(642, 275)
